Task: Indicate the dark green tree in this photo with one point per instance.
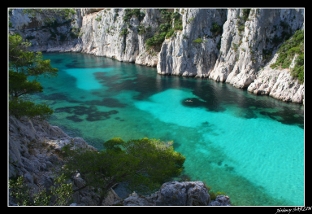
(144, 164)
(24, 68)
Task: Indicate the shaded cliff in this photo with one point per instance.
(236, 46)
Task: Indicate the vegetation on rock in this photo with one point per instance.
(144, 164)
(170, 22)
(293, 47)
(60, 194)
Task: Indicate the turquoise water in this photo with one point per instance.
(249, 147)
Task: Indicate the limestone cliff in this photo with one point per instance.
(235, 46)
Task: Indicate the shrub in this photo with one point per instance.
(216, 29)
(170, 21)
(288, 50)
(58, 195)
(124, 31)
(198, 40)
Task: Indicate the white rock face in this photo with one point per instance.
(181, 55)
(278, 84)
(240, 58)
(225, 45)
(105, 33)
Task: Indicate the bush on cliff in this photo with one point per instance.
(145, 164)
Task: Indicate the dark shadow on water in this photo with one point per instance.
(249, 114)
(101, 115)
(74, 118)
(57, 61)
(284, 117)
(56, 96)
(91, 112)
(109, 102)
(176, 145)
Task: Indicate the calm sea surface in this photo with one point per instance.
(249, 147)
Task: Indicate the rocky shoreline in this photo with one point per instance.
(34, 146)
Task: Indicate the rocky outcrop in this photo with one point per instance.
(47, 30)
(174, 193)
(107, 33)
(224, 45)
(34, 148)
(278, 84)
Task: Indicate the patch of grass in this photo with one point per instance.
(198, 40)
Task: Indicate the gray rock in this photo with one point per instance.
(188, 193)
(235, 55)
(38, 166)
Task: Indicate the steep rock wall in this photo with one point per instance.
(246, 39)
(225, 45)
(182, 55)
(107, 33)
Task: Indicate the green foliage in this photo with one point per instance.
(23, 65)
(141, 30)
(144, 164)
(166, 14)
(213, 195)
(156, 41)
(164, 27)
(235, 46)
(245, 14)
(241, 21)
(170, 22)
(52, 19)
(124, 31)
(61, 191)
(98, 19)
(19, 85)
(133, 12)
(241, 26)
(216, 29)
(19, 191)
(50, 14)
(198, 40)
(177, 21)
(30, 63)
(128, 15)
(20, 108)
(75, 32)
(286, 53)
(169, 33)
(60, 194)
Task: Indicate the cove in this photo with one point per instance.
(249, 147)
